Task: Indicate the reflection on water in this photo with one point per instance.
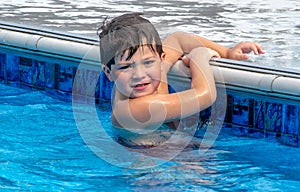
(272, 23)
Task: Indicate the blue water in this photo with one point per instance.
(42, 150)
(273, 23)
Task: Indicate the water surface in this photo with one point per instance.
(42, 150)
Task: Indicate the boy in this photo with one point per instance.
(134, 57)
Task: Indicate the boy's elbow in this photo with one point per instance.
(211, 95)
(178, 33)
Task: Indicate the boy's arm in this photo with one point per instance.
(181, 42)
(178, 43)
(238, 52)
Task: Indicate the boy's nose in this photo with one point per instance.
(139, 71)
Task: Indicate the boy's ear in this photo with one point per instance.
(107, 72)
(163, 55)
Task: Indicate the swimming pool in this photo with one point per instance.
(39, 151)
(42, 150)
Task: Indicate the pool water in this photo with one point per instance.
(42, 150)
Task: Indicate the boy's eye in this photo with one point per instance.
(123, 67)
(149, 62)
(132, 65)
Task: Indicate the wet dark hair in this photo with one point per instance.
(124, 33)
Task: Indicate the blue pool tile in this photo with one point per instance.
(290, 119)
(171, 89)
(259, 114)
(57, 94)
(228, 116)
(2, 66)
(12, 67)
(105, 86)
(12, 83)
(38, 78)
(51, 92)
(86, 81)
(50, 80)
(92, 79)
(272, 136)
(251, 113)
(26, 74)
(97, 89)
(291, 140)
(273, 117)
(66, 74)
(25, 86)
(239, 131)
(240, 111)
(26, 70)
(79, 86)
(256, 133)
(204, 117)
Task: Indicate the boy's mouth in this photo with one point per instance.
(141, 86)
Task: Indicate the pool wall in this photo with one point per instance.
(262, 102)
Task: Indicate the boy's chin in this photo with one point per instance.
(137, 95)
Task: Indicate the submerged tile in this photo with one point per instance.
(38, 78)
(290, 119)
(240, 131)
(97, 89)
(26, 70)
(66, 74)
(273, 117)
(229, 110)
(105, 87)
(272, 136)
(240, 111)
(259, 114)
(61, 95)
(85, 82)
(204, 117)
(291, 140)
(92, 78)
(256, 133)
(50, 75)
(2, 66)
(12, 67)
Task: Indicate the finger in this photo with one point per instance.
(251, 47)
(186, 61)
(255, 51)
(242, 57)
(213, 53)
(260, 49)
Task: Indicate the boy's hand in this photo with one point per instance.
(198, 53)
(241, 50)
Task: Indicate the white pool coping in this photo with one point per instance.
(247, 78)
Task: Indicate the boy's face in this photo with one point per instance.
(140, 75)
